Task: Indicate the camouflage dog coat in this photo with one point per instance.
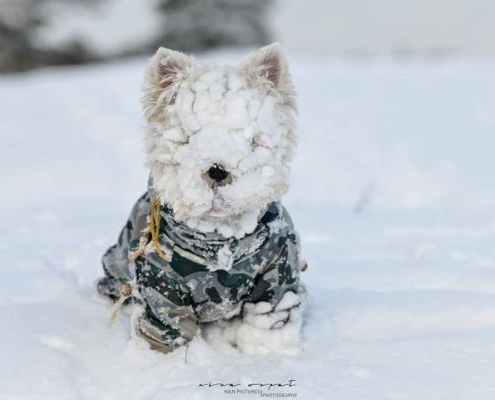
(187, 277)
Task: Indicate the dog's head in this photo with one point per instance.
(219, 139)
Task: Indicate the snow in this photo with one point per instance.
(392, 192)
(420, 28)
(225, 259)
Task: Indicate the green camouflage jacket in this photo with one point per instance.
(204, 277)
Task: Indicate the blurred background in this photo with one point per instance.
(392, 192)
(35, 33)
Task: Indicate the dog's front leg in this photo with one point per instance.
(271, 320)
(265, 328)
(272, 315)
(167, 320)
(173, 328)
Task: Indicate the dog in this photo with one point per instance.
(209, 242)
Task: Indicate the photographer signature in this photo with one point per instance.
(267, 385)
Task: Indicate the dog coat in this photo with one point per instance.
(184, 277)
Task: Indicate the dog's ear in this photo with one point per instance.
(166, 70)
(268, 65)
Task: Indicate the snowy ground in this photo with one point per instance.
(393, 195)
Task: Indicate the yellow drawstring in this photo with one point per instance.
(143, 241)
(126, 291)
(154, 229)
(155, 216)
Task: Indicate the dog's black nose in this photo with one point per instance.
(217, 173)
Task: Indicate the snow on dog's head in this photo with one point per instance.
(219, 139)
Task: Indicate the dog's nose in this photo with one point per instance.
(218, 173)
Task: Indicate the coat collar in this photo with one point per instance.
(207, 247)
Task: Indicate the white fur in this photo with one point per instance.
(241, 118)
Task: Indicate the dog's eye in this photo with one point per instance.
(260, 141)
(254, 144)
(176, 136)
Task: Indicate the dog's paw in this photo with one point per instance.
(264, 329)
(251, 339)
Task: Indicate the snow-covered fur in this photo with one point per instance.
(267, 329)
(237, 120)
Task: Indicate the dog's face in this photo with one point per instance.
(219, 139)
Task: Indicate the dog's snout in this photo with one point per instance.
(217, 173)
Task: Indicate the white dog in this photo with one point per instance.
(209, 240)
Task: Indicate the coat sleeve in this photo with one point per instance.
(278, 292)
(115, 260)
